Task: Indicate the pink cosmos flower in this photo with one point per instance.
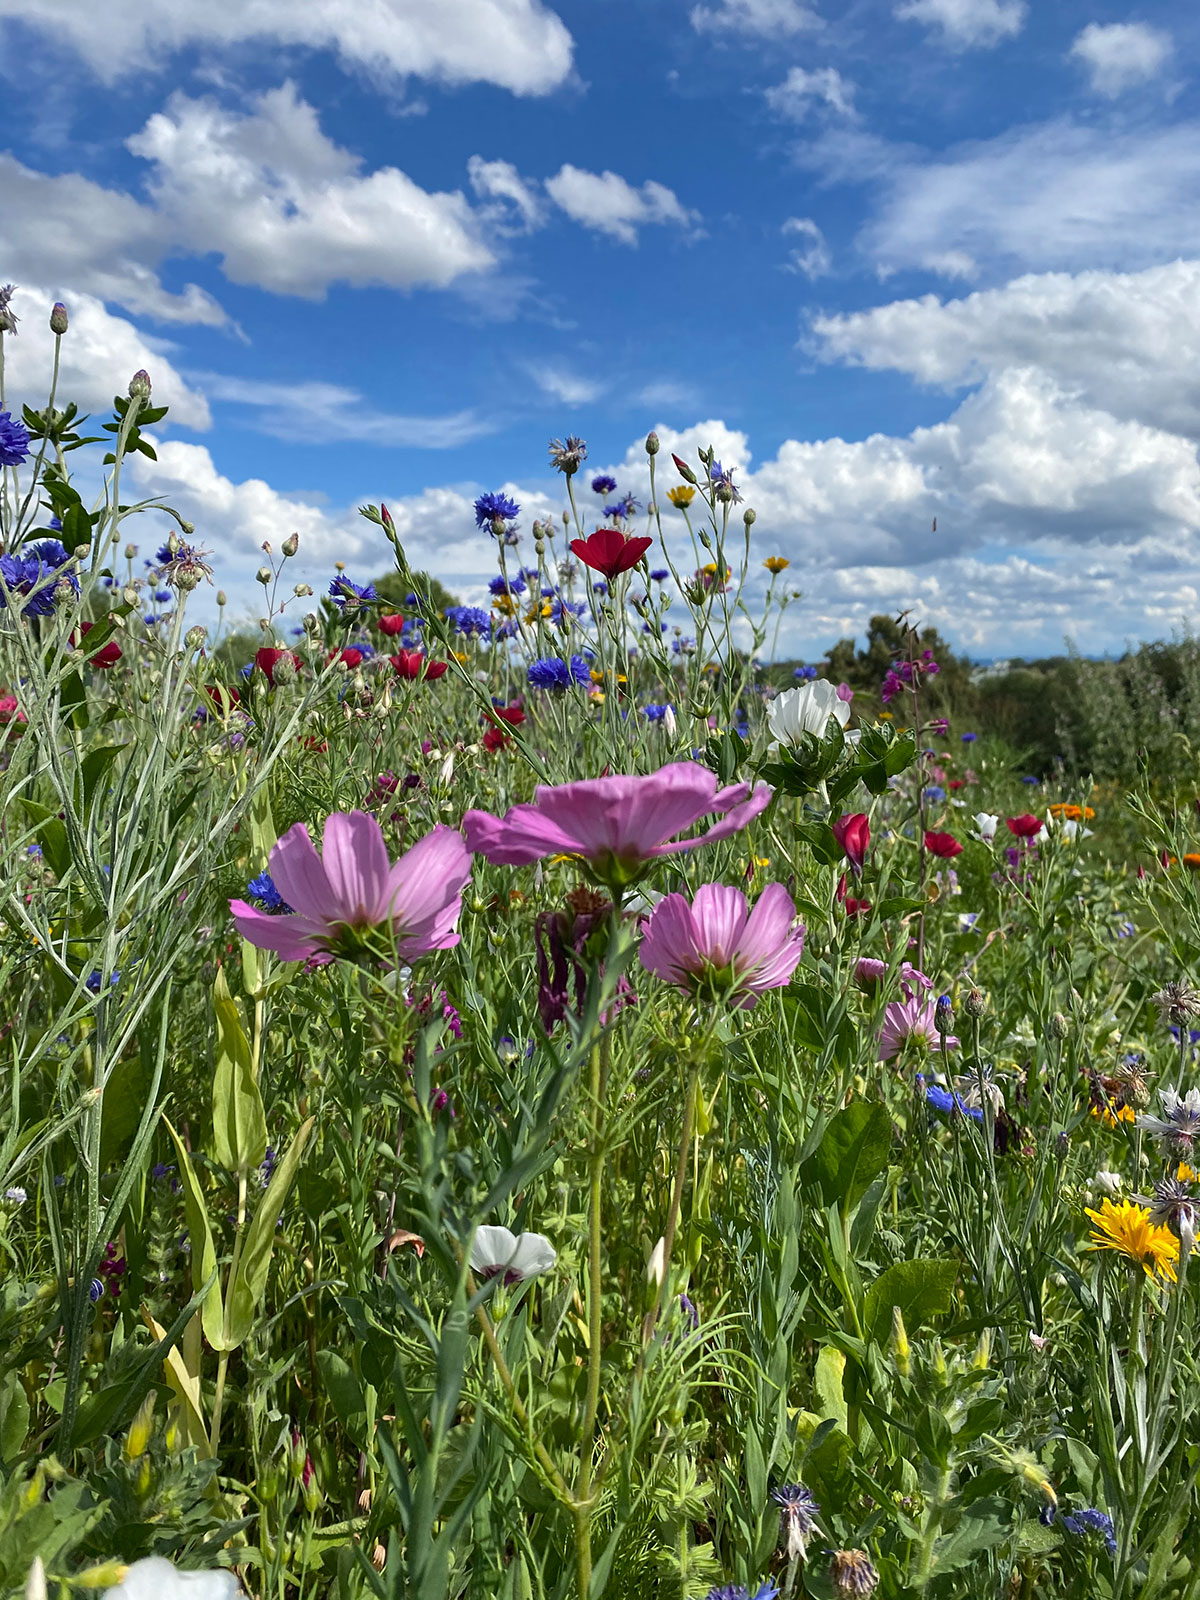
(352, 886)
(907, 1021)
(718, 942)
(869, 970)
(616, 823)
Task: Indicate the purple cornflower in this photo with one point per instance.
(969, 738)
(660, 575)
(32, 571)
(625, 507)
(1088, 1520)
(603, 484)
(14, 440)
(722, 478)
(491, 509)
(552, 672)
(656, 713)
(502, 585)
(268, 896)
(469, 620)
(348, 596)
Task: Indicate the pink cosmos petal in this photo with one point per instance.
(427, 879)
(768, 928)
(521, 836)
(355, 859)
(719, 913)
(293, 938)
(670, 947)
(730, 824)
(438, 932)
(775, 970)
(629, 815)
(297, 873)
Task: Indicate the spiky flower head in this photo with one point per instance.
(1176, 1206)
(567, 455)
(852, 1572)
(799, 1511)
(1177, 1131)
(1177, 1002)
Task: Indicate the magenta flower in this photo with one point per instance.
(352, 888)
(908, 1024)
(718, 945)
(616, 824)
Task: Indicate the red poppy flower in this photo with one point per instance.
(108, 654)
(413, 664)
(1024, 826)
(270, 660)
(391, 624)
(944, 845)
(352, 657)
(222, 696)
(853, 833)
(514, 716)
(494, 740)
(957, 783)
(610, 552)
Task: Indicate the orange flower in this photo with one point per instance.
(776, 564)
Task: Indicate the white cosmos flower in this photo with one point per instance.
(805, 709)
(516, 1255)
(987, 825)
(154, 1578)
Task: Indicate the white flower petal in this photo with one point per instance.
(154, 1578)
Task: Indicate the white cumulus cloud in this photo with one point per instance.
(764, 19)
(967, 24)
(290, 211)
(519, 45)
(812, 256)
(1121, 55)
(609, 204)
(802, 89)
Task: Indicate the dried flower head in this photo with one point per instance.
(1177, 1002)
(567, 455)
(852, 1572)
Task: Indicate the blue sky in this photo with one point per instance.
(897, 259)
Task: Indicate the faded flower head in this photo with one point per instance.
(1177, 1002)
(852, 1573)
(1177, 1131)
(567, 455)
(799, 1511)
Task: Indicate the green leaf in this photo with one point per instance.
(204, 1255)
(245, 1294)
(827, 1381)
(345, 1391)
(14, 1417)
(984, 1525)
(52, 836)
(853, 1152)
(922, 1289)
(239, 1121)
(93, 768)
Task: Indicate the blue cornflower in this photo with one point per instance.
(248, 670)
(626, 507)
(411, 601)
(688, 1308)
(270, 1157)
(935, 792)
(1089, 1520)
(969, 738)
(944, 1101)
(552, 672)
(800, 1511)
(14, 440)
(493, 508)
(96, 1290)
(342, 592)
(805, 673)
(600, 588)
(268, 896)
(1030, 780)
(469, 620)
(603, 484)
(660, 575)
(656, 713)
(722, 478)
(503, 585)
(94, 980)
(562, 609)
(548, 591)
(739, 1591)
(162, 596)
(506, 629)
(32, 572)
(34, 850)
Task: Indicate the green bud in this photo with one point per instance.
(139, 385)
(59, 321)
(652, 445)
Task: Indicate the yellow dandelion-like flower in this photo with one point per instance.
(1127, 1229)
(505, 605)
(886, 716)
(1185, 1174)
(1112, 1115)
(776, 563)
(682, 496)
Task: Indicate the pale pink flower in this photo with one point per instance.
(910, 1021)
(352, 886)
(718, 943)
(616, 823)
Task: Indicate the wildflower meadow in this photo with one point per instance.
(533, 1099)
